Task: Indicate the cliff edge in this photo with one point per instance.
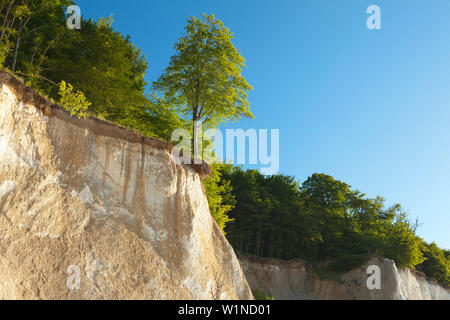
(89, 210)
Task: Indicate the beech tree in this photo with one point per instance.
(204, 77)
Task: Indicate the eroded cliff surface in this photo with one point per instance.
(105, 201)
(294, 280)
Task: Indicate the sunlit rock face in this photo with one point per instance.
(89, 210)
(294, 280)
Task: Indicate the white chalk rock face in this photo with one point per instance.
(295, 280)
(89, 210)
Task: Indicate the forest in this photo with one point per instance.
(98, 72)
(321, 219)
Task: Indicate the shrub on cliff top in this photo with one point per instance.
(74, 102)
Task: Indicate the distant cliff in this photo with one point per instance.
(89, 210)
(295, 280)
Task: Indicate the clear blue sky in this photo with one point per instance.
(369, 107)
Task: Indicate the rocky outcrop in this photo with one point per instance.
(295, 280)
(89, 210)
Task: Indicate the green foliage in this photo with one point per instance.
(74, 102)
(347, 262)
(447, 254)
(402, 245)
(220, 198)
(31, 28)
(5, 48)
(325, 273)
(259, 294)
(321, 220)
(103, 64)
(437, 263)
(327, 199)
(204, 78)
(268, 215)
(160, 119)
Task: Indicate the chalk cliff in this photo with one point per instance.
(89, 210)
(294, 280)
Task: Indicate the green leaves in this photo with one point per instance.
(436, 264)
(220, 197)
(74, 102)
(204, 77)
(104, 65)
(321, 219)
(402, 245)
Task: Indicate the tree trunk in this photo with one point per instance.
(196, 116)
(6, 19)
(13, 67)
(195, 140)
